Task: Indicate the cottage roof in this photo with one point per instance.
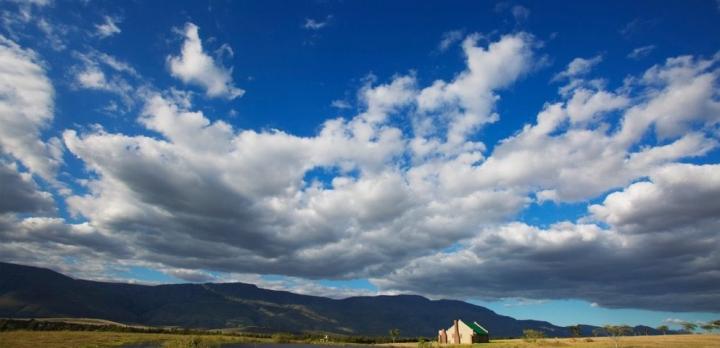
(478, 329)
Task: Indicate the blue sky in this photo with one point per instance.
(559, 158)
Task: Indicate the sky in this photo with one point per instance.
(548, 160)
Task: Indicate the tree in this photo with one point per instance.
(689, 327)
(394, 334)
(663, 328)
(616, 331)
(575, 330)
(531, 335)
(708, 327)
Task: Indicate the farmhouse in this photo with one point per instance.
(462, 333)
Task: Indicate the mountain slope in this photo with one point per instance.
(35, 292)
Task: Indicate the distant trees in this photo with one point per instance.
(575, 330)
(616, 331)
(708, 327)
(394, 334)
(531, 335)
(663, 328)
(689, 327)
(711, 325)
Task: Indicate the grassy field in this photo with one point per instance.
(95, 339)
(669, 341)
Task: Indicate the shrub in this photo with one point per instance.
(281, 338)
(531, 335)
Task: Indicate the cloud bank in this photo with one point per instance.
(405, 193)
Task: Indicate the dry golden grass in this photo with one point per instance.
(669, 341)
(95, 339)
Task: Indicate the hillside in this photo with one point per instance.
(27, 292)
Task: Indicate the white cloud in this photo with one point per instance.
(578, 67)
(680, 94)
(194, 66)
(107, 28)
(674, 321)
(585, 105)
(521, 302)
(103, 72)
(33, 2)
(676, 195)
(26, 109)
(449, 38)
(271, 217)
(572, 153)
(316, 24)
(464, 104)
(53, 32)
(404, 191)
(641, 52)
(92, 78)
(340, 104)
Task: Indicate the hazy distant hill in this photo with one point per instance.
(35, 292)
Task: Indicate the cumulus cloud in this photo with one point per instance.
(107, 28)
(21, 194)
(102, 72)
(461, 106)
(671, 269)
(162, 194)
(26, 109)
(194, 66)
(677, 195)
(659, 249)
(682, 93)
(572, 154)
(578, 67)
(76, 249)
(405, 191)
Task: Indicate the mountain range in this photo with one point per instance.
(31, 292)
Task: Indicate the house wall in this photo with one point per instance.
(442, 337)
(466, 333)
(481, 338)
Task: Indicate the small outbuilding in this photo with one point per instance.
(463, 333)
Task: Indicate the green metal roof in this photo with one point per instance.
(478, 329)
